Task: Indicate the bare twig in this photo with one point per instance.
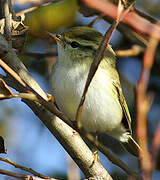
(4, 89)
(99, 56)
(7, 16)
(33, 8)
(143, 106)
(22, 72)
(94, 66)
(22, 176)
(11, 72)
(132, 19)
(29, 96)
(23, 168)
(155, 146)
(134, 51)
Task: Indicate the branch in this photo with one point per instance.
(71, 141)
(7, 16)
(12, 60)
(23, 168)
(125, 29)
(11, 72)
(22, 176)
(132, 19)
(94, 66)
(134, 51)
(143, 105)
(155, 146)
(120, 15)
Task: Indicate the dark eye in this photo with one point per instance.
(58, 36)
(74, 44)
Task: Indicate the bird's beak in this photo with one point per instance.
(56, 37)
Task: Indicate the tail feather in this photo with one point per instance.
(132, 146)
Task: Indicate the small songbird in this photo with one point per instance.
(105, 109)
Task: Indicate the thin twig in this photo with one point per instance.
(155, 146)
(33, 8)
(134, 51)
(22, 176)
(99, 56)
(7, 15)
(143, 106)
(29, 96)
(23, 168)
(11, 72)
(94, 66)
(22, 72)
(132, 19)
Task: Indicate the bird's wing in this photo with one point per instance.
(127, 124)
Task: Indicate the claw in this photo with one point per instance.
(50, 98)
(96, 157)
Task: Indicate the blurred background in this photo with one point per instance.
(27, 140)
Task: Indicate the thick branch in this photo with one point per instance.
(71, 141)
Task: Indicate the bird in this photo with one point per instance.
(105, 108)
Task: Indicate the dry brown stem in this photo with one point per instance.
(23, 168)
(132, 19)
(143, 105)
(134, 51)
(22, 176)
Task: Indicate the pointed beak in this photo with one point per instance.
(55, 36)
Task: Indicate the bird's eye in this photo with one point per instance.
(74, 44)
(58, 36)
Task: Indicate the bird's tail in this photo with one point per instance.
(132, 146)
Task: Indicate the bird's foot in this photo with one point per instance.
(96, 157)
(50, 98)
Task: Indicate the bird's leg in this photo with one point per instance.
(95, 152)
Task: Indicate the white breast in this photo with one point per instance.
(101, 111)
